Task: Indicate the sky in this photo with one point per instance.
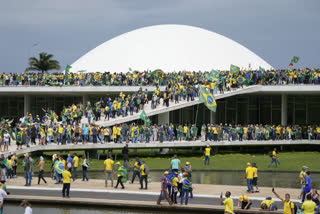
(276, 30)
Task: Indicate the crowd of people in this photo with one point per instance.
(176, 180)
(158, 77)
(32, 131)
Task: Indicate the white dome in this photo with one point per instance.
(170, 48)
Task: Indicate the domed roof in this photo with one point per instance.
(170, 48)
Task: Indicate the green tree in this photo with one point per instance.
(43, 64)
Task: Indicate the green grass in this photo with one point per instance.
(289, 161)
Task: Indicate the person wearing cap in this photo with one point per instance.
(119, 171)
(245, 202)
(302, 179)
(144, 175)
(164, 189)
(249, 177)
(27, 207)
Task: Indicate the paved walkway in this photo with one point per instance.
(154, 187)
(94, 192)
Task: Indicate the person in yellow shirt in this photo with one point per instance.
(274, 158)
(255, 176)
(309, 206)
(114, 133)
(249, 177)
(108, 170)
(245, 202)
(143, 175)
(288, 206)
(268, 204)
(66, 175)
(174, 185)
(207, 152)
(302, 178)
(228, 203)
(75, 163)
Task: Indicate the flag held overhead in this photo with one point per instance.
(208, 100)
(295, 59)
(234, 69)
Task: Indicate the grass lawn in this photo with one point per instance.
(289, 161)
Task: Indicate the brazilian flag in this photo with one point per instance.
(145, 118)
(82, 71)
(295, 59)
(58, 166)
(157, 73)
(214, 74)
(234, 69)
(208, 100)
(241, 80)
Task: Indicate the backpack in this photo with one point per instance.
(295, 207)
(146, 169)
(270, 154)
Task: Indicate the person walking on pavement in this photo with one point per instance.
(108, 170)
(41, 167)
(119, 171)
(28, 170)
(136, 170)
(66, 175)
(85, 166)
(144, 170)
(75, 161)
(249, 177)
(125, 151)
(164, 189)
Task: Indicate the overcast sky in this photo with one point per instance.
(275, 30)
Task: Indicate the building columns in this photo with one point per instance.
(163, 118)
(213, 117)
(85, 99)
(27, 104)
(284, 110)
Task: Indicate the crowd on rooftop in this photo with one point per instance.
(158, 77)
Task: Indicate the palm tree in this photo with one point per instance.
(43, 64)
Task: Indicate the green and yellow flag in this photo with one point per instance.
(67, 69)
(295, 59)
(208, 99)
(145, 118)
(261, 69)
(157, 73)
(82, 71)
(234, 69)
